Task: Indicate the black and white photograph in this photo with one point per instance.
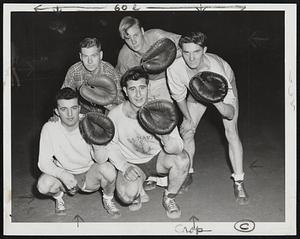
(149, 119)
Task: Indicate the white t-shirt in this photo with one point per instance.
(63, 150)
(178, 78)
(131, 143)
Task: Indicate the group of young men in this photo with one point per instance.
(135, 160)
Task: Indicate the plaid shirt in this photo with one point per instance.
(77, 75)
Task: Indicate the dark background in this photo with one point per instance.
(230, 34)
(252, 42)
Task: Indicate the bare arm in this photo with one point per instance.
(187, 123)
(184, 109)
(226, 110)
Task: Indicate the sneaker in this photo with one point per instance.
(60, 208)
(187, 182)
(74, 190)
(240, 193)
(111, 208)
(135, 205)
(149, 185)
(172, 209)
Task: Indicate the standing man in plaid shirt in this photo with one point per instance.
(92, 65)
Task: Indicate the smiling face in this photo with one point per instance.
(192, 54)
(68, 112)
(137, 92)
(134, 38)
(91, 57)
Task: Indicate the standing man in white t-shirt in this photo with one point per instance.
(195, 59)
(68, 163)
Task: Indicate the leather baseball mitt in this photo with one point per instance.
(208, 87)
(100, 90)
(159, 56)
(158, 117)
(96, 128)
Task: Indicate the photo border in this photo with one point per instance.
(146, 228)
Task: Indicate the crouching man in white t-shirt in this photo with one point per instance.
(138, 154)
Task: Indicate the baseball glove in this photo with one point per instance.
(100, 90)
(159, 56)
(96, 128)
(158, 117)
(208, 87)
(90, 107)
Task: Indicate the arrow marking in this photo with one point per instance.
(78, 219)
(193, 219)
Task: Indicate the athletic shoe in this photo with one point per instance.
(171, 207)
(111, 208)
(60, 208)
(149, 185)
(240, 193)
(74, 190)
(135, 205)
(187, 182)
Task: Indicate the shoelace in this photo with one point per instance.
(60, 205)
(111, 205)
(171, 204)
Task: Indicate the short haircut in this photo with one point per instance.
(66, 94)
(89, 42)
(134, 73)
(198, 38)
(126, 23)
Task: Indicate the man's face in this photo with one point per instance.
(137, 92)
(68, 111)
(134, 38)
(91, 57)
(192, 54)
